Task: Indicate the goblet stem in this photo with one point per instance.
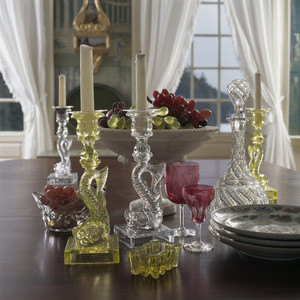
(181, 217)
(181, 230)
(198, 233)
(198, 245)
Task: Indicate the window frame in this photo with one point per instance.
(219, 100)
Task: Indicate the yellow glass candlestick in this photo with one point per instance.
(256, 152)
(91, 242)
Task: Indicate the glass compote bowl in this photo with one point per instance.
(198, 197)
(177, 175)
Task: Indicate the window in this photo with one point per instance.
(211, 64)
(294, 120)
(11, 116)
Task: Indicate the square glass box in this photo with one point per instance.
(136, 237)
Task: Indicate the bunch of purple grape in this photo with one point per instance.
(184, 111)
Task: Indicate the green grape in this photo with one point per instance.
(175, 125)
(128, 123)
(163, 111)
(188, 126)
(113, 121)
(161, 126)
(101, 114)
(121, 123)
(169, 120)
(157, 121)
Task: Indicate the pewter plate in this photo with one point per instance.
(275, 222)
(257, 251)
(253, 240)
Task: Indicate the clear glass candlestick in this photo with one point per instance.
(62, 170)
(144, 218)
(91, 242)
(256, 151)
(238, 186)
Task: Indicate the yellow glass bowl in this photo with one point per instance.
(154, 258)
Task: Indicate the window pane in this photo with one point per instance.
(205, 84)
(225, 27)
(11, 117)
(207, 21)
(212, 120)
(184, 85)
(294, 120)
(228, 57)
(226, 77)
(189, 60)
(206, 52)
(4, 92)
(226, 112)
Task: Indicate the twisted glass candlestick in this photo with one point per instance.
(238, 186)
(256, 151)
(62, 170)
(144, 218)
(91, 241)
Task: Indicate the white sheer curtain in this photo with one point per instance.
(260, 32)
(166, 33)
(23, 65)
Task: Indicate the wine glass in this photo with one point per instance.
(179, 174)
(198, 197)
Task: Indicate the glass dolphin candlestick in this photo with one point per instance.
(144, 220)
(256, 151)
(91, 242)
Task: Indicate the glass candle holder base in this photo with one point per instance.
(136, 237)
(272, 194)
(71, 179)
(105, 252)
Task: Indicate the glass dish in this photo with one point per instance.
(62, 218)
(154, 258)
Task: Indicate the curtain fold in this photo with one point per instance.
(260, 32)
(23, 65)
(167, 30)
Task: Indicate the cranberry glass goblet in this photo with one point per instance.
(179, 174)
(198, 197)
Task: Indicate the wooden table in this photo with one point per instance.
(31, 259)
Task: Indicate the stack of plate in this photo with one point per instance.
(270, 232)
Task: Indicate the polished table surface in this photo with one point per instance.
(32, 265)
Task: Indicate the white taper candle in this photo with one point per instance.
(141, 97)
(61, 91)
(257, 102)
(86, 79)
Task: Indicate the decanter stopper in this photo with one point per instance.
(238, 91)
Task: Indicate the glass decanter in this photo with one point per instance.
(238, 186)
